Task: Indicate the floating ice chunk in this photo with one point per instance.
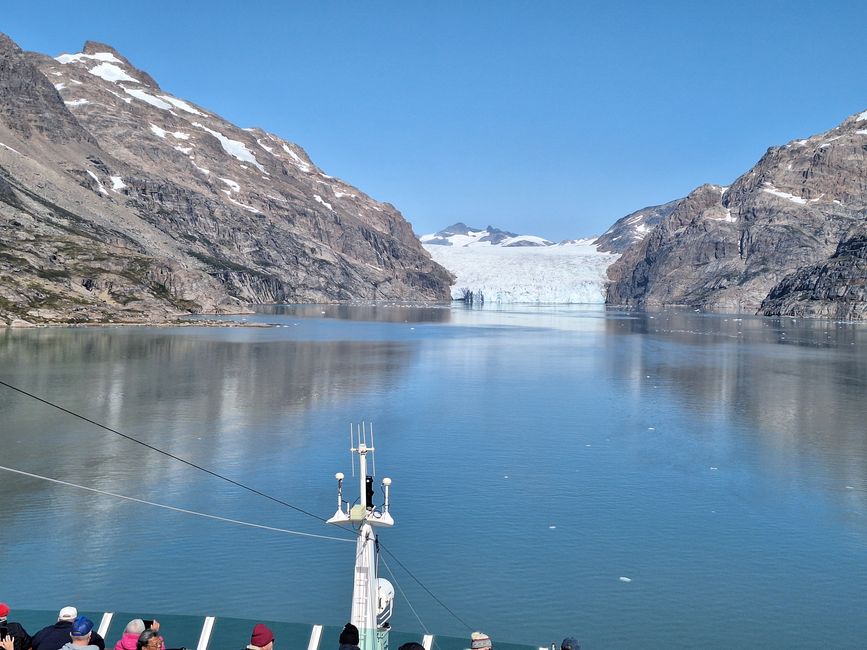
(117, 183)
(651, 428)
(849, 487)
(625, 579)
(551, 527)
(714, 468)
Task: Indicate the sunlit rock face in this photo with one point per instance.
(120, 201)
(770, 243)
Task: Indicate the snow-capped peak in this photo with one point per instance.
(460, 234)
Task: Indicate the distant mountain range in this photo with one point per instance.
(122, 202)
(460, 234)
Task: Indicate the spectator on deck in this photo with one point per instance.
(570, 643)
(10, 629)
(56, 636)
(131, 633)
(79, 634)
(262, 638)
(412, 645)
(480, 640)
(349, 637)
(150, 639)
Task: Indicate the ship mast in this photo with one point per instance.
(372, 596)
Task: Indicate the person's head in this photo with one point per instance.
(4, 611)
(135, 626)
(412, 645)
(68, 613)
(262, 637)
(480, 640)
(149, 640)
(349, 635)
(81, 630)
(570, 643)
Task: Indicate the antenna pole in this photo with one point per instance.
(372, 596)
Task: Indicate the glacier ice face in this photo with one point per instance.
(568, 273)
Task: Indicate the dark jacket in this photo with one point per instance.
(18, 633)
(56, 636)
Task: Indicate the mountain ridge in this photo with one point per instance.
(748, 246)
(185, 211)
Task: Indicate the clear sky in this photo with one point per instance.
(548, 118)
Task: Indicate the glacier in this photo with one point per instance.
(572, 272)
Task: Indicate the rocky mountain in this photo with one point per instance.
(633, 228)
(460, 234)
(119, 201)
(787, 237)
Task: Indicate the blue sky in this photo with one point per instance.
(549, 118)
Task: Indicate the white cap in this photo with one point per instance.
(67, 614)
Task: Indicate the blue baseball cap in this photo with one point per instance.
(81, 626)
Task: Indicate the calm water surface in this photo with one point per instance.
(539, 456)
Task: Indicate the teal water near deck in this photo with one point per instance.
(663, 480)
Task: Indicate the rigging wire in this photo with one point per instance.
(405, 597)
(165, 453)
(220, 476)
(174, 508)
(423, 586)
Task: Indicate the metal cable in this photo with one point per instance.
(174, 508)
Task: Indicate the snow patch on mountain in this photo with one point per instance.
(182, 105)
(111, 72)
(234, 148)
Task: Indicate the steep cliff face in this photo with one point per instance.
(119, 201)
(727, 248)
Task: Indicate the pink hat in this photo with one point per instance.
(262, 636)
(4, 610)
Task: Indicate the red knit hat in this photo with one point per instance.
(4, 610)
(262, 636)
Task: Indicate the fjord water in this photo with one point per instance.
(662, 480)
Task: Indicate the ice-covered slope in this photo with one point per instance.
(572, 272)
